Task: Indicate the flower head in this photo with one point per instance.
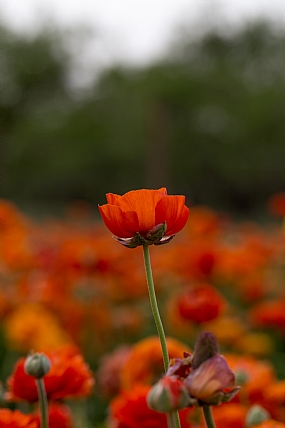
(211, 381)
(69, 377)
(144, 216)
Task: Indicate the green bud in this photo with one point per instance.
(37, 365)
(256, 415)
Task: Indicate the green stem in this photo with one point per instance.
(43, 403)
(173, 419)
(154, 307)
(207, 411)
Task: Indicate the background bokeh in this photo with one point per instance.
(205, 117)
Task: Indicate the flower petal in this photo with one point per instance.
(143, 202)
(113, 199)
(173, 210)
(121, 224)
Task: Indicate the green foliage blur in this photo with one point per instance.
(207, 120)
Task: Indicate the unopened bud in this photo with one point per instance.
(167, 395)
(205, 348)
(37, 365)
(256, 415)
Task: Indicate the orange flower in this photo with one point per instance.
(69, 377)
(270, 424)
(130, 410)
(140, 211)
(16, 419)
(33, 326)
(229, 415)
(254, 376)
(145, 364)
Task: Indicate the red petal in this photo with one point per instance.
(121, 224)
(173, 210)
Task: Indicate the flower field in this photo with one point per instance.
(70, 291)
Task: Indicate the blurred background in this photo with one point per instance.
(110, 96)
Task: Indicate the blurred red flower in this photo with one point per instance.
(59, 416)
(200, 303)
(139, 211)
(269, 314)
(130, 410)
(69, 377)
(276, 204)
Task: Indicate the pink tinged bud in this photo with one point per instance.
(167, 395)
(37, 365)
(212, 382)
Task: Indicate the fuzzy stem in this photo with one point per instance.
(207, 411)
(43, 403)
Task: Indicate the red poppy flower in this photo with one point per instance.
(16, 419)
(130, 410)
(200, 303)
(140, 212)
(69, 377)
(59, 416)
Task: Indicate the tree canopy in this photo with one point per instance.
(207, 120)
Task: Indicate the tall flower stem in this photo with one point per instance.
(43, 403)
(160, 330)
(154, 307)
(207, 411)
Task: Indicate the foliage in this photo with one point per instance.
(206, 121)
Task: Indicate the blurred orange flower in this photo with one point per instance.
(229, 415)
(69, 377)
(16, 419)
(33, 326)
(145, 364)
(130, 410)
(253, 375)
(270, 424)
(139, 211)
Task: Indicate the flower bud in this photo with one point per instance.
(256, 415)
(206, 347)
(212, 382)
(37, 365)
(167, 395)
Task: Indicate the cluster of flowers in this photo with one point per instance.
(67, 286)
(68, 377)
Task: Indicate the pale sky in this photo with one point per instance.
(135, 30)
